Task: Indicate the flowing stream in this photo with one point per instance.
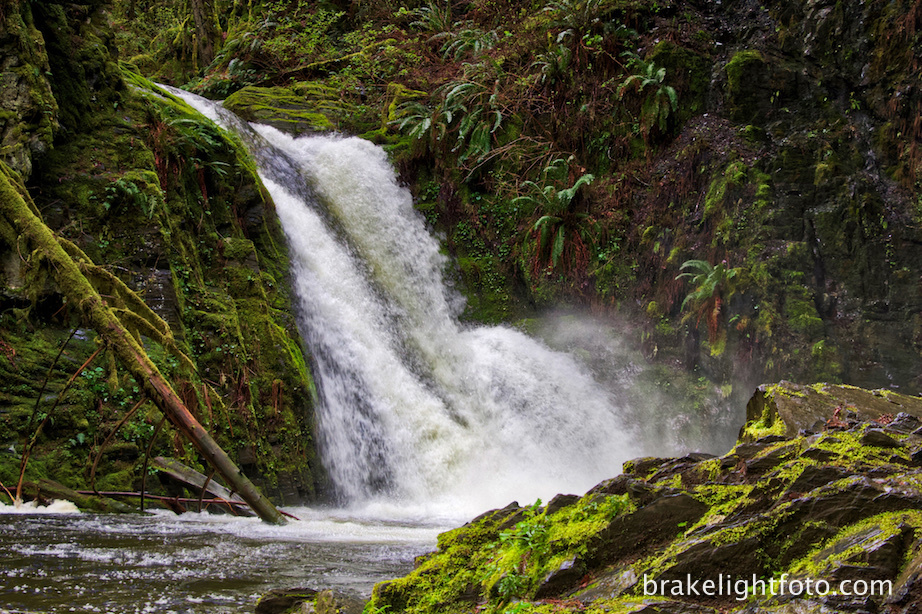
(423, 422)
(194, 563)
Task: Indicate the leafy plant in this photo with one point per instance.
(470, 40)
(181, 142)
(433, 17)
(575, 17)
(527, 535)
(418, 120)
(480, 116)
(561, 234)
(711, 285)
(553, 65)
(510, 585)
(472, 111)
(124, 190)
(660, 101)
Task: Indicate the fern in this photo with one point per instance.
(433, 17)
(711, 285)
(561, 235)
(468, 109)
(470, 40)
(656, 107)
(575, 17)
(552, 65)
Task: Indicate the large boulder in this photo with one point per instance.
(786, 408)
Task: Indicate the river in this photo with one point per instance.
(195, 563)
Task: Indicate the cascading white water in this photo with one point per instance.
(416, 409)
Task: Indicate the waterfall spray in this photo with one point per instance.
(416, 408)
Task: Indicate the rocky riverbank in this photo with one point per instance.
(817, 509)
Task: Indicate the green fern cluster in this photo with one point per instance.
(559, 229)
(470, 110)
(711, 286)
(660, 101)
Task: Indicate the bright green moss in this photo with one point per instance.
(739, 67)
(849, 544)
(499, 565)
(769, 424)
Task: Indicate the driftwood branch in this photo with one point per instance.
(164, 499)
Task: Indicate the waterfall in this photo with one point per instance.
(416, 409)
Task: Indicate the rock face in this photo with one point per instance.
(160, 198)
(28, 109)
(827, 521)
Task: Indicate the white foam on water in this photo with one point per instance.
(57, 506)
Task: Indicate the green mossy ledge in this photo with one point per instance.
(837, 503)
(306, 107)
(303, 108)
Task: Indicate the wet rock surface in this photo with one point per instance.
(819, 407)
(307, 601)
(280, 601)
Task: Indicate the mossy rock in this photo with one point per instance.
(748, 92)
(688, 72)
(28, 109)
(301, 108)
(787, 408)
(840, 504)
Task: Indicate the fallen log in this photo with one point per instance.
(22, 228)
(193, 479)
(46, 490)
(165, 499)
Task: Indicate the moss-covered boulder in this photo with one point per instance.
(821, 522)
(788, 409)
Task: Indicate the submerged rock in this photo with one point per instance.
(280, 601)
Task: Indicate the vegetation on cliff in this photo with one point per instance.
(773, 140)
(138, 183)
